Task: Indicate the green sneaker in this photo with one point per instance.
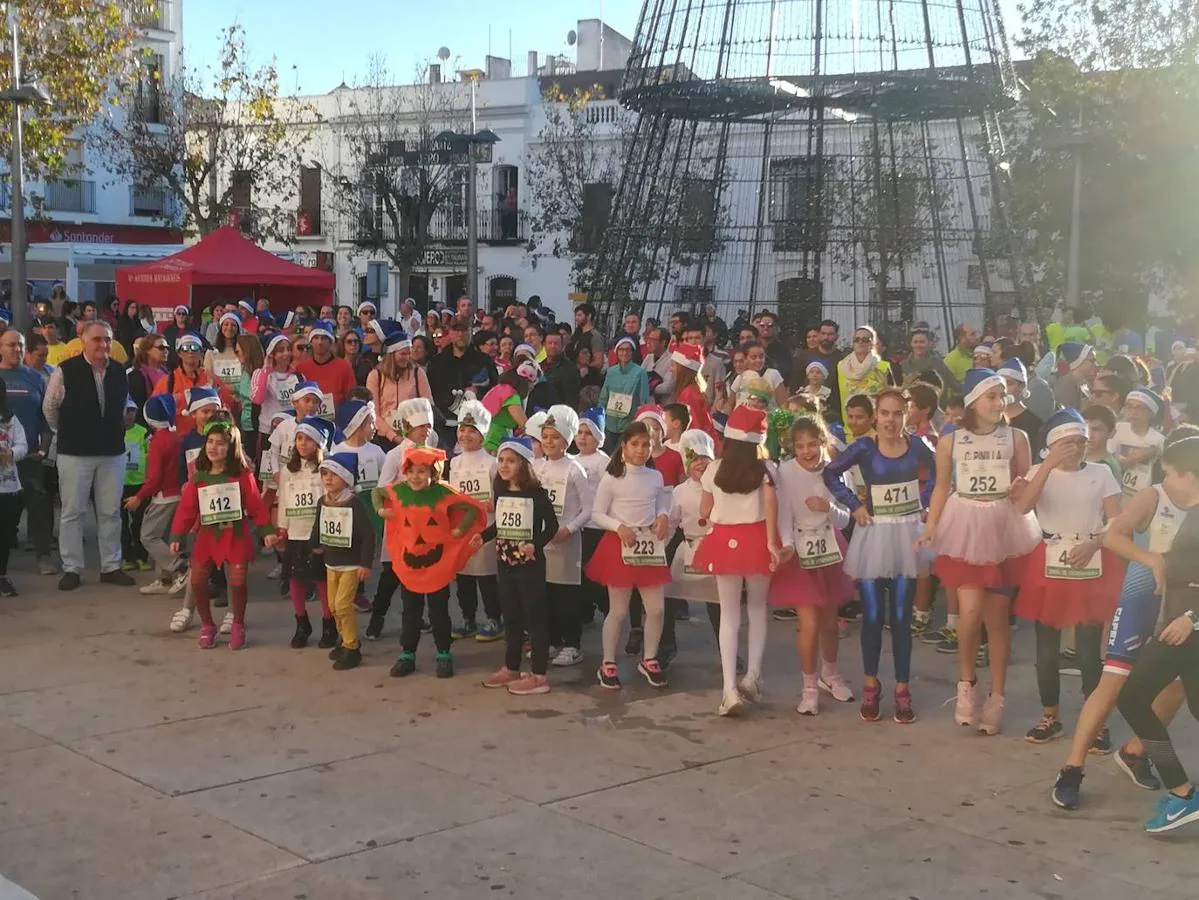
(948, 643)
(445, 665)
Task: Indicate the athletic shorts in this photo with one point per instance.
(1134, 621)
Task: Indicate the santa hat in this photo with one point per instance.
(1014, 369)
(181, 308)
(189, 340)
(818, 366)
(625, 340)
(417, 455)
(694, 444)
(593, 420)
(982, 349)
(525, 350)
(306, 389)
(344, 465)
(1073, 354)
(320, 430)
(529, 370)
(534, 423)
(376, 326)
(1146, 398)
(159, 411)
(474, 414)
(230, 317)
(365, 305)
(246, 305)
(1064, 423)
(200, 397)
(322, 328)
(353, 414)
(746, 424)
(651, 411)
(563, 420)
(274, 341)
(978, 381)
(415, 412)
(688, 356)
(520, 445)
(396, 341)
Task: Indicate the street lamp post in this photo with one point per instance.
(472, 202)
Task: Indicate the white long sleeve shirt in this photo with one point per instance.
(577, 500)
(635, 499)
(12, 439)
(795, 485)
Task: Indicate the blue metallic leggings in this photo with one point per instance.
(887, 598)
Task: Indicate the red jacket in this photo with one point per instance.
(162, 466)
(228, 542)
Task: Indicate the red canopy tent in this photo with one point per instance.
(223, 266)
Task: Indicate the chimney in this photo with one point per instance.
(434, 73)
(532, 62)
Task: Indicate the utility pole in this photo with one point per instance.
(20, 308)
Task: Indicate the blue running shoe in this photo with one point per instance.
(1068, 787)
(1138, 769)
(1174, 812)
(489, 631)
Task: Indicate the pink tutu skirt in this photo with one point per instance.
(734, 550)
(796, 587)
(985, 532)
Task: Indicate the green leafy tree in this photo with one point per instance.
(1116, 84)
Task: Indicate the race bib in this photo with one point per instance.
(555, 486)
(267, 465)
(328, 410)
(189, 459)
(688, 548)
(301, 497)
(368, 474)
(619, 405)
(337, 526)
(1057, 562)
(647, 550)
(227, 370)
(857, 483)
(817, 547)
(984, 479)
(1136, 478)
(220, 503)
(475, 483)
(891, 500)
(283, 394)
(514, 518)
(133, 457)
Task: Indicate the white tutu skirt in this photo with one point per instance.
(985, 532)
(884, 549)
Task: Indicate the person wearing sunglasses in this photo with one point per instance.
(149, 368)
(190, 373)
(862, 370)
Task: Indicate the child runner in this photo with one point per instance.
(1156, 512)
(631, 506)
(222, 504)
(343, 535)
(742, 549)
(594, 462)
(472, 472)
(980, 537)
(13, 449)
(295, 514)
(814, 582)
(687, 582)
(565, 481)
(414, 420)
(815, 389)
(922, 408)
(161, 489)
(524, 524)
(1069, 581)
(134, 555)
(1017, 414)
(677, 420)
(272, 386)
(356, 423)
(1138, 441)
(422, 492)
(1101, 427)
(882, 553)
(690, 387)
(306, 401)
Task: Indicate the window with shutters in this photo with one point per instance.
(308, 217)
(597, 210)
(796, 207)
(147, 98)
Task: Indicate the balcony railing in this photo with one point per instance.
(153, 14)
(449, 226)
(148, 106)
(151, 202)
(70, 195)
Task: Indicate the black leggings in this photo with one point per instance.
(469, 589)
(413, 617)
(1087, 639)
(10, 515)
(523, 597)
(566, 606)
(131, 528)
(1157, 667)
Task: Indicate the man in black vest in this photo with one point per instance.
(85, 404)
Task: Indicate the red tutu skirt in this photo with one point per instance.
(957, 573)
(734, 550)
(607, 567)
(1064, 603)
(794, 586)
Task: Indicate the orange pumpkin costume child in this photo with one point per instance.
(428, 533)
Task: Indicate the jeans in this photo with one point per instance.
(38, 505)
(78, 477)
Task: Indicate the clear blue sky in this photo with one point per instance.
(328, 41)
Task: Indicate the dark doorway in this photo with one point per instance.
(455, 287)
(418, 290)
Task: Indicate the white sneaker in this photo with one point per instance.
(567, 656)
(179, 585)
(809, 702)
(837, 687)
(731, 704)
(751, 688)
(964, 712)
(157, 586)
(227, 623)
(46, 565)
(275, 572)
(182, 620)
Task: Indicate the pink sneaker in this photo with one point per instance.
(964, 713)
(836, 687)
(207, 636)
(502, 678)
(992, 717)
(237, 636)
(530, 684)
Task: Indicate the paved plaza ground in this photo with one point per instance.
(133, 765)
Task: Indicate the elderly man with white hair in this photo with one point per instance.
(85, 404)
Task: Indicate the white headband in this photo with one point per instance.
(1144, 397)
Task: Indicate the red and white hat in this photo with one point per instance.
(689, 356)
(746, 424)
(651, 411)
